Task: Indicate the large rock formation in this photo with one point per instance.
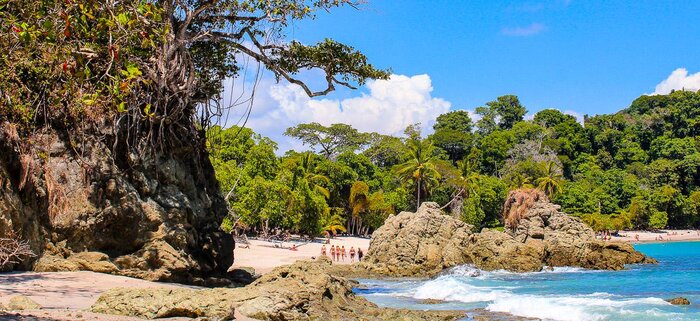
(69, 193)
(565, 240)
(424, 242)
(428, 241)
(304, 290)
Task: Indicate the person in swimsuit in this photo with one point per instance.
(332, 252)
(352, 254)
(342, 253)
(360, 254)
(323, 250)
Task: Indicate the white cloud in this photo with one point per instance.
(530, 30)
(387, 108)
(679, 79)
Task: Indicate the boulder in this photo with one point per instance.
(679, 301)
(21, 302)
(424, 242)
(301, 291)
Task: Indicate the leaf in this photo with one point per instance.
(121, 107)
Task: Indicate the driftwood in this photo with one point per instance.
(14, 251)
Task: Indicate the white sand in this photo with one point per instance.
(661, 236)
(264, 256)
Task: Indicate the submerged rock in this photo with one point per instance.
(679, 301)
(301, 291)
(21, 302)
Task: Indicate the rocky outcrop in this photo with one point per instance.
(568, 241)
(21, 302)
(679, 301)
(424, 242)
(302, 291)
(86, 203)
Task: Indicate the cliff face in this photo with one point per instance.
(150, 218)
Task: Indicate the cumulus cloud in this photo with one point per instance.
(678, 80)
(387, 107)
(526, 31)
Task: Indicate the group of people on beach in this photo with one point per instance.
(338, 253)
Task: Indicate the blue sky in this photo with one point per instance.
(588, 56)
(582, 57)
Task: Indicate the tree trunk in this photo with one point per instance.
(418, 195)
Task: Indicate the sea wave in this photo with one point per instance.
(469, 285)
(469, 270)
(573, 308)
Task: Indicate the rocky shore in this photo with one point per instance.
(305, 290)
(427, 241)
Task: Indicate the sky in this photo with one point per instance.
(581, 57)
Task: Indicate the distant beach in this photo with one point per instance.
(264, 256)
(660, 236)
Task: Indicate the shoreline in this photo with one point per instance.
(645, 237)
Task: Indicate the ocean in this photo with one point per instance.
(567, 294)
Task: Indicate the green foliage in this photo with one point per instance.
(328, 140)
(633, 169)
(152, 72)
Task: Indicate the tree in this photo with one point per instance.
(332, 221)
(457, 120)
(508, 109)
(331, 140)
(152, 67)
(419, 168)
(385, 151)
(550, 183)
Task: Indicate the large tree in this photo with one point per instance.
(152, 67)
(329, 140)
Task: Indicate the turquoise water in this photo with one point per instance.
(567, 294)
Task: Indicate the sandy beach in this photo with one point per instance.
(264, 256)
(660, 236)
(66, 295)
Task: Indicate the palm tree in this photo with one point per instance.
(306, 171)
(420, 167)
(332, 222)
(550, 183)
(363, 205)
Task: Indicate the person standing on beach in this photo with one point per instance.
(342, 253)
(352, 254)
(359, 254)
(332, 252)
(323, 250)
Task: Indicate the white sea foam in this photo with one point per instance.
(469, 285)
(569, 308)
(448, 288)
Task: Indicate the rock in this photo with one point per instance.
(679, 301)
(83, 261)
(301, 291)
(494, 250)
(21, 302)
(425, 242)
(154, 303)
(153, 217)
(420, 243)
(431, 301)
(243, 275)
